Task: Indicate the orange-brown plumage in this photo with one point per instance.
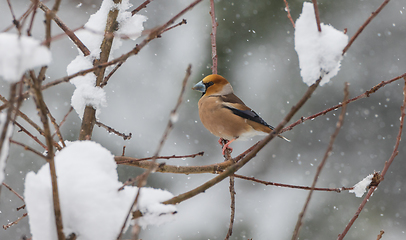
(224, 114)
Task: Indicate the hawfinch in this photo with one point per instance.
(225, 115)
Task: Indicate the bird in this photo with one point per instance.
(225, 115)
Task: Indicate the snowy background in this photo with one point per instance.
(257, 55)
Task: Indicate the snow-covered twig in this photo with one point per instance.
(322, 163)
(89, 114)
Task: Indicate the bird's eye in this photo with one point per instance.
(208, 84)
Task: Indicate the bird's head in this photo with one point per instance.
(213, 85)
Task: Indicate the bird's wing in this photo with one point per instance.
(238, 108)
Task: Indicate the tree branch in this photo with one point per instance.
(321, 165)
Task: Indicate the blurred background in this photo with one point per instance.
(255, 44)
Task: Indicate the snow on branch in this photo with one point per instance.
(91, 204)
(20, 53)
(320, 53)
(361, 187)
(87, 93)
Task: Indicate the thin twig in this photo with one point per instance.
(361, 206)
(79, 44)
(322, 163)
(364, 95)
(107, 78)
(15, 21)
(316, 12)
(373, 15)
(385, 169)
(165, 168)
(9, 117)
(338, 190)
(130, 181)
(28, 148)
(213, 35)
(112, 130)
(5, 227)
(380, 235)
(64, 119)
(57, 130)
(42, 109)
(176, 25)
(34, 5)
(287, 9)
(12, 190)
(398, 138)
(143, 5)
(22, 129)
(143, 178)
(232, 207)
(159, 157)
(24, 16)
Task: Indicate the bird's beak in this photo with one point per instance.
(199, 87)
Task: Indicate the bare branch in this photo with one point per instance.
(42, 110)
(316, 12)
(112, 130)
(321, 165)
(28, 148)
(67, 31)
(380, 235)
(131, 160)
(5, 227)
(12, 190)
(385, 169)
(22, 129)
(15, 22)
(143, 5)
(364, 95)
(293, 186)
(232, 207)
(373, 15)
(287, 9)
(64, 119)
(213, 35)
